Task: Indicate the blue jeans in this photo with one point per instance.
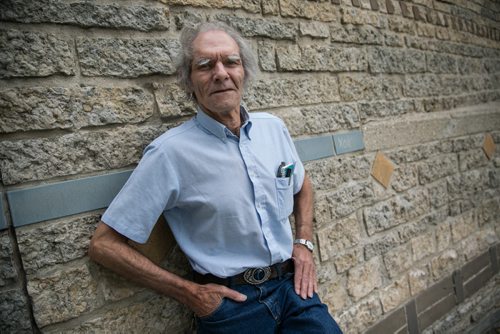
(271, 307)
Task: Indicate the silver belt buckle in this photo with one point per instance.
(257, 275)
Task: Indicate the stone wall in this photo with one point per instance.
(85, 85)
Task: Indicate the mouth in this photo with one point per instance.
(221, 91)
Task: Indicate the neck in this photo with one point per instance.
(231, 119)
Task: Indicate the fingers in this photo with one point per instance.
(305, 282)
(233, 294)
(208, 298)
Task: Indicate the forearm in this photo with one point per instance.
(303, 211)
(111, 250)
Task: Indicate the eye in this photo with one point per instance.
(232, 60)
(204, 64)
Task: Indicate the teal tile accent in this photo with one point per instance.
(348, 142)
(32, 205)
(3, 221)
(315, 148)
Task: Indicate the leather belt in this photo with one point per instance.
(251, 276)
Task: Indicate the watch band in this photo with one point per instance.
(305, 242)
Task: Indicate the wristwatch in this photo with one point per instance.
(305, 242)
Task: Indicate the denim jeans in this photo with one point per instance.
(271, 307)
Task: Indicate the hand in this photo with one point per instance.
(305, 272)
(206, 298)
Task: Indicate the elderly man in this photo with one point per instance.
(226, 182)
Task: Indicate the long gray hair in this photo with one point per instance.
(185, 60)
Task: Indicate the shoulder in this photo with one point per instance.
(174, 134)
(266, 118)
(171, 137)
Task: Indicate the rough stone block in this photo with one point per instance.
(149, 314)
(349, 198)
(463, 226)
(14, 309)
(320, 58)
(252, 6)
(270, 7)
(419, 152)
(423, 246)
(85, 151)
(173, 101)
(385, 109)
(444, 263)
(338, 237)
(358, 87)
(260, 27)
(437, 168)
(41, 108)
(364, 279)
(320, 11)
(187, 19)
(267, 56)
(398, 260)
(112, 286)
(86, 14)
(438, 194)
(405, 177)
(330, 173)
(48, 244)
(488, 212)
(468, 182)
(418, 280)
(472, 159)
(422, 85)
(401, 25)
(322, 214)
(281, 92)
(415, 228)
(63, 294)
(34, 54)
(443, 235)
(314, 29)
(361, 316)
(396, 60)
(397, 210)
(334, 294)
(382, 244)
(393, 39)
(348, 259)
(357, 16)
(127, 58)
(311, 120)
(8, 272)
(358, 34)
(395, 294)
(468, 66)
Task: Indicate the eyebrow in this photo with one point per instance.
(206, 61)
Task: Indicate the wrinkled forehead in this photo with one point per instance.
(214, 43)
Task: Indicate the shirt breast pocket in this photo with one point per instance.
(284, 191)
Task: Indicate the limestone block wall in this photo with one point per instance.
(85, 85)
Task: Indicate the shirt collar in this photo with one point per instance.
(220, 130)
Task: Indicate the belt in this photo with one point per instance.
(251, 276)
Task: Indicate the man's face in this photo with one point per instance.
(217, 72)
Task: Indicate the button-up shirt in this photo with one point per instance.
(219, 193)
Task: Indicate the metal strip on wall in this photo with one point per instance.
(55, 200)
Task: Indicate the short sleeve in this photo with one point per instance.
(151, 189)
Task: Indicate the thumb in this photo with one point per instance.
(233, 294)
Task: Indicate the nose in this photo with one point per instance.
(220, 72)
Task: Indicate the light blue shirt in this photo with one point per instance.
(220, 194)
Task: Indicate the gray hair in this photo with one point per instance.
(189, 34)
